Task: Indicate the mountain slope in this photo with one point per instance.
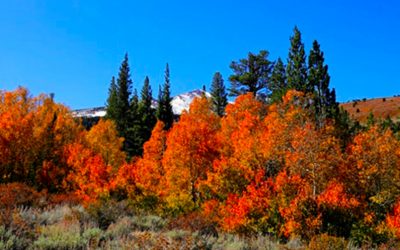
(379, 107)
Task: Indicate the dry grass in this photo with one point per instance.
(72, 227)
(379, 107)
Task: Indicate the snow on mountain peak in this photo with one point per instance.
(182, 102)
(179, 103)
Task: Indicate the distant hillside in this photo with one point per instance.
(380, 108)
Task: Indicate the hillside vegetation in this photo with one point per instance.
(379, 107)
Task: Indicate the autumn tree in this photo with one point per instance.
(16, 128)
(33, 132)
(240, 149)
(371, 170)
(190, 152)
(103, 139)
(90, 177)
(315, 156)
(150, 171)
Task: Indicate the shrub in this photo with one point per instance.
(324, 241)
(54, 215)
(149, 223)
(7, 239)
(17, 194)
(119, 229)
(194, 222)
(64, 235)
(91, 237)
(64, 199)
(106, 212)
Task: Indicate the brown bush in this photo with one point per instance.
(325, 241)
(194, 222)
(59, 199)
(17, 194)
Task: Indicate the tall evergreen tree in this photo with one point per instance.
(118, 102)
(112, 101)
(164, 110)
(147, 112)
(296, 69)
(124, 86)
(133, 141)
(251, 74)
(325, 104)
(146, 97)
(120, 108)
(277, 82)
(218, 94)
(159, 102)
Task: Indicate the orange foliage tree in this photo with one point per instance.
(95, 160)
(90, 176)
(150, 170)
(103, 139)
(241, 147)
(191, 149)
(33, 133)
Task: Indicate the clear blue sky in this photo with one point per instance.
(73, 47)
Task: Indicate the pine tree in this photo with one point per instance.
(146, 113)
(251, 74)
(325, 105)
(124, 86)
(164, 110)
(132, 143)
(218, 94)
(296, 69)
(277, 82)
(112, 101)
(159, 103)
(118, 102)
(146, 98)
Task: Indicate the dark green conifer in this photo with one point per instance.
(124, 86)
(251, 74)
(277, 82)
(112, 101)
(164, 110)
(218, 94)
(146, 113)
(132, 143)
(118, 102)
(325, 105)
(296, 68)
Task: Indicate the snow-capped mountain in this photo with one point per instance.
(90, 112)
(179, 103)
(182, 102)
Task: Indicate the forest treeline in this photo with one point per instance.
(282, 160)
